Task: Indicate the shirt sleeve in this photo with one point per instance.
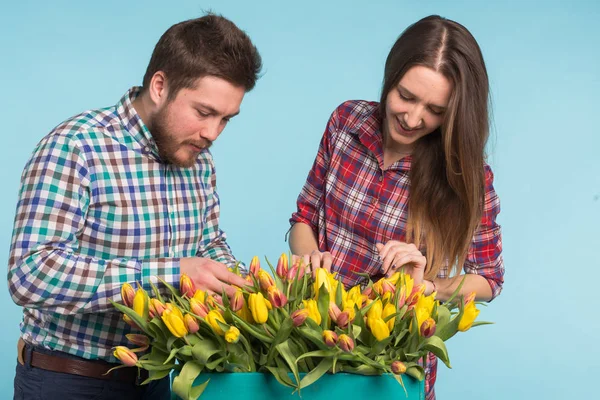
(310, 200)
(485, 253)
(45, 270)
(214, 241)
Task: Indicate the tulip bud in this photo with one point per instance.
(127, 294)
(384, 286)
(155, 308)
(175, 322)
(346, 343)
(343, 319)
(398, 367)
(469, 298)
(237, 301)
(186, 286)
(200, 295)
(191, 323)
(299, 316)
(254, 266)
(470, 313)
(276, 297)
(401, 298)
(417, 292)
(330, 338)
(232, 335)
(130, 322)
(126, 356)
(198, 308)
(258, 308)
(295, 270)
(139, 301)
(369, 292)
(211, 318)
(139, 340)
(211, 301)
(428, 328)
(282, 266)
(265, 280)
(334, 311)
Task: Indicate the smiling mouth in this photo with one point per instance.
(405, 130)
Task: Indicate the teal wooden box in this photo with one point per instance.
(259, 386)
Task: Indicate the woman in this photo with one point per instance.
(403, 183)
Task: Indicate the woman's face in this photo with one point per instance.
(415, 107)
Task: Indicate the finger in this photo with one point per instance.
(315, 260)
(379, 246)
(306, 261)
(327, 261)
(390, 246)
(388, 261)
(417, 260)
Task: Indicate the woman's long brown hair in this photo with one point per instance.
(447, 178)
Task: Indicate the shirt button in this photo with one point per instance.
(146, 149)
(374, 200)
(381, 178)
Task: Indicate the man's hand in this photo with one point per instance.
(396, 255)
(210, 275)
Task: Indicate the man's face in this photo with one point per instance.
(188, 124)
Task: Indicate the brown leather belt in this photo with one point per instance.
(88, 368)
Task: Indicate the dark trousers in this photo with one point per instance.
(37, 384)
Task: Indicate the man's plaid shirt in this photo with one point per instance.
(97, 208)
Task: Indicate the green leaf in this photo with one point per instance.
(154, 375)
(290, 359)
(318, 353)
(204, 350)
(156, 292)
(437, 346)
(316, 373)
(182, 384)
(416, 371)
(457, 291)
(282, 334)
(401, 382)
(196, 391)
(133, 315)
(281, 376)
(323, 306)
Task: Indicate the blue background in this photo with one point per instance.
(59, 58)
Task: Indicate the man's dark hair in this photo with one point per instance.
(207, 46)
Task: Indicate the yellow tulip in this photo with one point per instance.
(466, 321)
(258, 308)
(313, 310)
(388, 310)
(232, 335)
(352, 297)
(379, 329)
(126, 356)
(200, 295)
(245, 314)
(211, 318)
(127, 294)
(139, 301)
(174, 321)
(376, 310)
(322, 279)
(424, 308)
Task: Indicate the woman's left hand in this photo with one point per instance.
(396, 255)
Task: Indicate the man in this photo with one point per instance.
(125, 194)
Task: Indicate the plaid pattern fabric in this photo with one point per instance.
(351, 203)
(98, 208)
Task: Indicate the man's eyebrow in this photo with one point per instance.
(411, 94)
(212, 110)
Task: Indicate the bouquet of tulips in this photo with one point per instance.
(287, 323)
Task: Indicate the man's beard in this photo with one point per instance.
(168, 145)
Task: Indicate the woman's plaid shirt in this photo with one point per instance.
(351, 203)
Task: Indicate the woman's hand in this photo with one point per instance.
(399, 255)
(316, 259)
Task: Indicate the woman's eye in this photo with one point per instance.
(404, 97)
